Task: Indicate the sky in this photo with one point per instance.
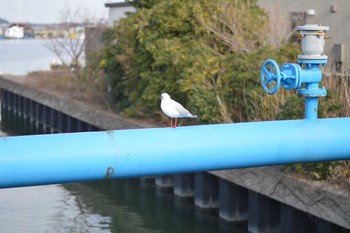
(47, 11)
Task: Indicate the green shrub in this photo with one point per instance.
(188, 49)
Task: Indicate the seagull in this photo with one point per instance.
(173, 109)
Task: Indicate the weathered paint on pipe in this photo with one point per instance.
(77, 157)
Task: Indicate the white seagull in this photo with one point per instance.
(173, 109)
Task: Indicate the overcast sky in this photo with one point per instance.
(46, 11)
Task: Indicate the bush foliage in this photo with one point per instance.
(193, 51)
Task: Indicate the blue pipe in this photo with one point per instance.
(78, 157)
(311, 76)
(311, 108)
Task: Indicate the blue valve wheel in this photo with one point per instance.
(270, 77)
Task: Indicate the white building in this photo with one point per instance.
(14, 32)
(117, 10)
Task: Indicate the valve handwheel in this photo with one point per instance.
(270, 76)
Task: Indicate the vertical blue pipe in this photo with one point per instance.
(311, 108)
(311, 76)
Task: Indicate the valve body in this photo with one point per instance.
(303, 77)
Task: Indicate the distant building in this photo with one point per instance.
(14, 32)
(334, 14)
(117, 10)
(18, 31)
(48, 31)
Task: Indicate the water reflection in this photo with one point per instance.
(134, 206)
(121, 206)
(44, 209)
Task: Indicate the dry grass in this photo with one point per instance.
(339, 83)
(66, 83)
(340, 174)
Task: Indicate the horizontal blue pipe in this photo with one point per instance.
(77, 157)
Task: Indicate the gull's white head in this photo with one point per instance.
(165, 96)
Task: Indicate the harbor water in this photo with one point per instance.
(122, 206)
(19, 57)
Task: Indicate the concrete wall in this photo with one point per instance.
(94, 43)
(332, 13)
(101, 119)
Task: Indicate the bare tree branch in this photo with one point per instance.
(71, 47)
(233, 26)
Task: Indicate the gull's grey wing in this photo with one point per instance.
(183, 111)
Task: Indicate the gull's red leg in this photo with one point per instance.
(175, 122)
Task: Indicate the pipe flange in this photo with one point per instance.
(319, 92)
(291, 76)
(312, 27)
(307, 58)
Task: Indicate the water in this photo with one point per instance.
(123, 206)
(119, 206)
(22, 56)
